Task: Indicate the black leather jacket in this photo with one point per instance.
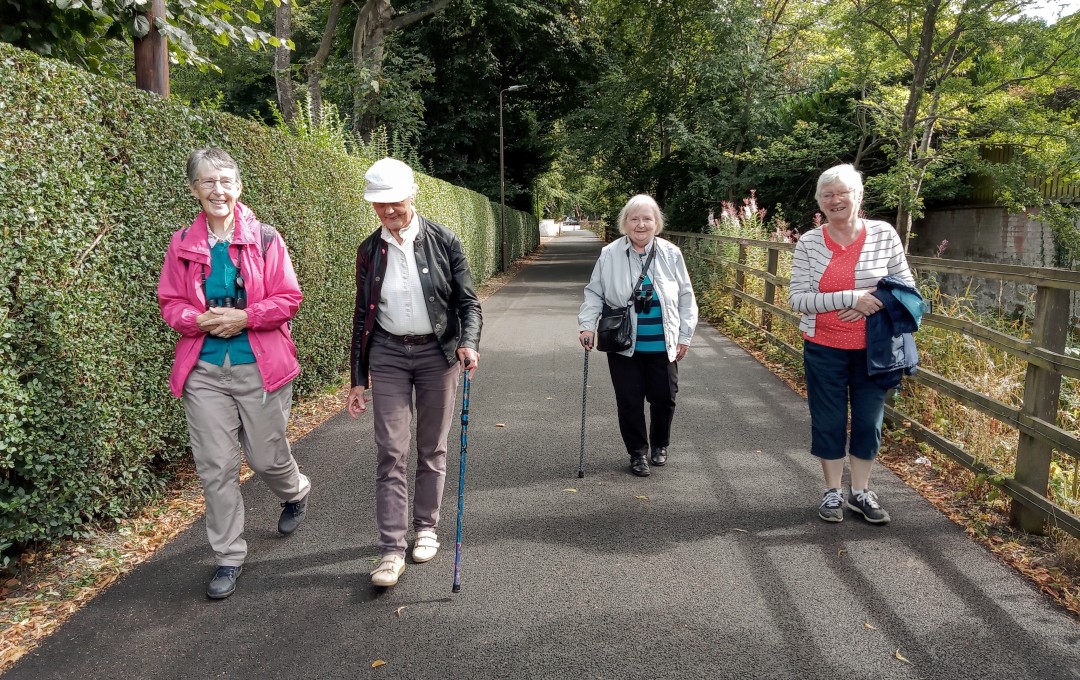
(445, 276)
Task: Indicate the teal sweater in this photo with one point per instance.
(220, 283)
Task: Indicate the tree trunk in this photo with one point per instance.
(376, 20)
(152, 55)
(315, 66)
(920, 74)
(282, 58)
(369, 34)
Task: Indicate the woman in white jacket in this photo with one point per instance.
(664, 319)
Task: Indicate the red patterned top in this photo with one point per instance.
(838, 276)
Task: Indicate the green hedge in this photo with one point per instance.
(91, 187)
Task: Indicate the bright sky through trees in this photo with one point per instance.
(1051, 10)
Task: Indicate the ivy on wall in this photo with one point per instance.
(91, 187)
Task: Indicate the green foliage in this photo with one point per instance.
(700, 101)
(91, 187)
(80, 31)
(476, 48)
(1064, 220)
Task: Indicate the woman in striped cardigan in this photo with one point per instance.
(833, 277)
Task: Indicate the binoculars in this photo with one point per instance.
(643, 300)
(231, 302)
(238, 302)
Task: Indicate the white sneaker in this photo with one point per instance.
(425, 546)
(388, 571)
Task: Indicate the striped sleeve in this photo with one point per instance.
(882, 255)
(807, 267)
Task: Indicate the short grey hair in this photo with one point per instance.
(636, 202)
(216, 158)
(845, 174)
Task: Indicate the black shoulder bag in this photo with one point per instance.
(615, 331)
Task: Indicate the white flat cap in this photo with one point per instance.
(389, 181)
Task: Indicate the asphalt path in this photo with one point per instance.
(716, 566)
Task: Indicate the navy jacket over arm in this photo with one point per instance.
(890, 343)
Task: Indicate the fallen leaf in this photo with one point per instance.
(742, 531)
(377, 662)
(397, 612)
(900, 657)
(500, 424)
(642, 498)
(869, 627)
(571, 490)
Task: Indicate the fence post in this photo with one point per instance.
(773, 266)
(740, 279)
(1042, 387)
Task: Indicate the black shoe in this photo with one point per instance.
(639, 466)
(224, 582)
(659, 456)
(292, 514)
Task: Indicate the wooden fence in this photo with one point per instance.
(1047, 363)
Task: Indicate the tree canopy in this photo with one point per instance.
(696, 102)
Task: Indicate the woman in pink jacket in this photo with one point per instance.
(228, 287)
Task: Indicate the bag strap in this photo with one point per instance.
(268, 234)
(644, 272)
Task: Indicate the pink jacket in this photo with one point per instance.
(273, 296)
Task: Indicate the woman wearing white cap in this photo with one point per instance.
(416, 323)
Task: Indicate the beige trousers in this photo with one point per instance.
(228, 412)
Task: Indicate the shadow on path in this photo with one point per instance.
(715, 566)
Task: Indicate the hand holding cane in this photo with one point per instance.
(461, 477)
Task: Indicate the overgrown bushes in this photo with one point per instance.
(91, 186)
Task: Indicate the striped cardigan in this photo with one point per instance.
(882, 255)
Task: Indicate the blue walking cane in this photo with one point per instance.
(461, 478)
(584, 396)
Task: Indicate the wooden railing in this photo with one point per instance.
(1047, 363)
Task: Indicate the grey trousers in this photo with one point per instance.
(397, 371)
(227, 409)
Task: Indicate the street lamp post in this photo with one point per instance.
(504, 264)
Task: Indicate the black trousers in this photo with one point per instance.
(639, 378)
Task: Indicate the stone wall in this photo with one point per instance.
(988, 234)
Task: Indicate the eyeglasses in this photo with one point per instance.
(839, 194)
(226, 183)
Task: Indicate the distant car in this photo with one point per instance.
(570, 219)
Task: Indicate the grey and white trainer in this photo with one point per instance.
(832, 506)
(865, 503)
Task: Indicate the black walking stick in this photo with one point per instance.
(461, 478)
(584, 390)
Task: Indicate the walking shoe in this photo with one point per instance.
(224, 582)
(865, 503)
(292, 514)
(659, 455)
(832, 506)
(388, 571)
(425, 546)
(639, 466)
